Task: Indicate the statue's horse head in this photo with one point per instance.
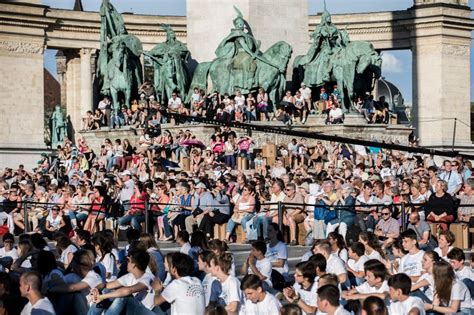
(279, 53)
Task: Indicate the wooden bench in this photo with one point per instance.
(462, 234)
(220, 231)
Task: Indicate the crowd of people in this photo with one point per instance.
(378, 223)
(293, 108)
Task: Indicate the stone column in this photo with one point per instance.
(441, 80)
(61, 71)
(73, 94)
(86, 80)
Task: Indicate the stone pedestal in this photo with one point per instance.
(210, 21)
(441, 84)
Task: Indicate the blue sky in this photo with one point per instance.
(397, 64)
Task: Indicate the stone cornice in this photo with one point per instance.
(66, 28)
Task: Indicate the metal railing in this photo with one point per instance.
(400, 208)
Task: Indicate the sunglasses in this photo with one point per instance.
(385, 213)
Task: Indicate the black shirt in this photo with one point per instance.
(438, 205)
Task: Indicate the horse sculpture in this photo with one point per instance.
(355, 69)
(266, 75)
(120, 76)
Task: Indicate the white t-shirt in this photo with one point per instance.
(411, 264)
(427, 290)
(343, 254)
(264, 266)
(335, 265)
(341, 311)
(269, 305)
(365, 288)
(92, 279)
(465, 273)
(186, 296)
(438, 251)
(374, 255)
(70, 249)
(146, 296)
(174, 103)
(460, 292)
(398, 308)
(42, 306)
(185, 248)
(110, 265)
(212, 288)
(13, 253)
(310, 297)
(357, 265)
(231, 291)
(279, 251)
(239, 100)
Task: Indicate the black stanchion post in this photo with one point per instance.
(146, 216)
(403, 216)
(280, 216)
(25, 217)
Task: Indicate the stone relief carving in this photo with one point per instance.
(455, 50)
(21, 47)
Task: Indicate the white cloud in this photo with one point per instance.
(391, 64)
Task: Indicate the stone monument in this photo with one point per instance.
(119, 66)
(58, 127)
(333, 58)
(240, 65)
(170, 61)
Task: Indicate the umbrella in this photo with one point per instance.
(193, 143)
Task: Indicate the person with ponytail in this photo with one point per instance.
(231, 293)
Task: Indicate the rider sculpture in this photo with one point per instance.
(240, 65)
(333, 58)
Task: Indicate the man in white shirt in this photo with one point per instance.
(184, 293)
(127, 186)
(30, 288)
(464, 273)
(334, 264)
(258, 264)
(8, 253)
(131, 291)
(328, 301)
(174, 103)
(375, 274)
(258, 302)
(306, 93)
(401, 302)
(411, 263)
(452, 177)
(336, 116)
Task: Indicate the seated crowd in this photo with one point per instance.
(348, 204)
(235, 108)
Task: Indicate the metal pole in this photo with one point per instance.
(25, 217)
(280, 216)
(146, 216)
(454, 134)
(403, 216)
